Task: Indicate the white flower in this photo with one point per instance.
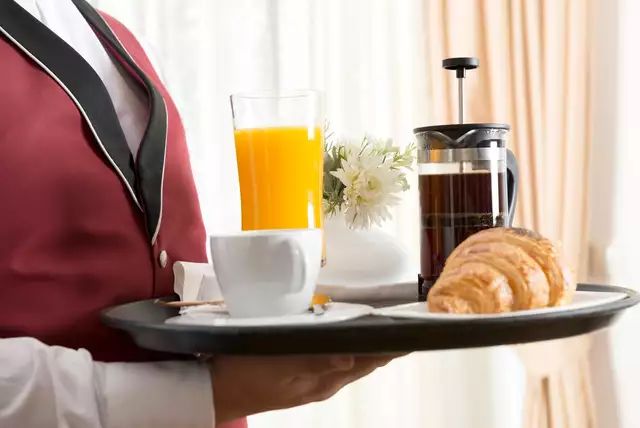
(362, 178)
(381, 144)
(371, 183)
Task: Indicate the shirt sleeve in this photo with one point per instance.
(40, 384)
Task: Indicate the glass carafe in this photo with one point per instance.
(467, 183)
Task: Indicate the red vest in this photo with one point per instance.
(81, 227)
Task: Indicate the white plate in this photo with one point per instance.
(216, 316)
(581, 299)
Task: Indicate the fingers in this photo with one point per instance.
(314, 365)
(374, 360)
(331, 383)
(247, 385)
(317, 365)
(341, 362)
(300, 365)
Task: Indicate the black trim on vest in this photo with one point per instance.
(78, 79)
(151, 155)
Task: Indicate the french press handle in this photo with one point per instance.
(513, 176)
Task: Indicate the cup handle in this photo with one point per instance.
(299, 268)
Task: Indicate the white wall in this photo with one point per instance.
(615, 202)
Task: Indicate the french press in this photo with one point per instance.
(467, 182)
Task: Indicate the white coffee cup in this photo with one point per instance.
(267, 272)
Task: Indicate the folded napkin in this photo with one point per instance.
(195, 282)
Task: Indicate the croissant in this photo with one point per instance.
(501, 270)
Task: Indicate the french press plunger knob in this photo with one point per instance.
(460, 65)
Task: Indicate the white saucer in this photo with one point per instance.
(216, 316)
(419, 310)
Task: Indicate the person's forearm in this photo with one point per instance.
(54, 386)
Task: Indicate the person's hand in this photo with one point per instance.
(246, 385)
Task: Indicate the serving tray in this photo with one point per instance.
(145, 322)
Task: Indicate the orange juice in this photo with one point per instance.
(280, 172)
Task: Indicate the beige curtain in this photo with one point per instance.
(533, 75)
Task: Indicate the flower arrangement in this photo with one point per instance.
(362, 178)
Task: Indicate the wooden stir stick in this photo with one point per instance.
(181, 304)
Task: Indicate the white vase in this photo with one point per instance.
(362, 258)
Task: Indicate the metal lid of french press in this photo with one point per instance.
(461, 128)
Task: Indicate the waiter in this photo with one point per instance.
(98, 202)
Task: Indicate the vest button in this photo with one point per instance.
(163, 258)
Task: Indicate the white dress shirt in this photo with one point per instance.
(49, 386)
(130, 102)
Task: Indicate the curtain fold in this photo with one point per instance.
(560, 392)
(534, 75)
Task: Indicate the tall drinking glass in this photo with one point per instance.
(279, 149)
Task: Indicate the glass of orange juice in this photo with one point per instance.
(279, 149)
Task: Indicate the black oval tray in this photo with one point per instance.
(145, 322)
